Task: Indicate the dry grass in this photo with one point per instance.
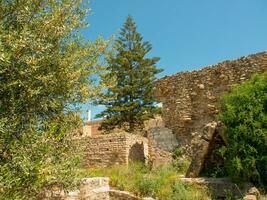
(162, 182)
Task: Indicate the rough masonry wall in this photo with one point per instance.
(110, 149)
(91, 128)
(161, 142)
(190, 99)
(136, 148)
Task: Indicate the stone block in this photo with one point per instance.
(111, 149)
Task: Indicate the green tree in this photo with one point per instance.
(128, 99)
(244, 113)
(45, 70)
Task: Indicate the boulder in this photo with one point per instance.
(218, 186)
(252, 194)
(203, 151)
(250, 197)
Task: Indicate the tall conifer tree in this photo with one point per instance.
(129, 100)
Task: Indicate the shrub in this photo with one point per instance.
(38, 162)
(244, 113)
(183, 191)
(177, 153)
(179, 162)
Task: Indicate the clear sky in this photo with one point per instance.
(186, 34)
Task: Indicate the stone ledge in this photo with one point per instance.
(221, 186)
(123, 195)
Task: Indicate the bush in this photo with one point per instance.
(177, 153)
(38, 162)
(244, 113)
(179, 163)
(183, 191)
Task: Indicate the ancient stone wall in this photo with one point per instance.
(91, 128)
(122, 195)
(120, 148)
(136, 148)
(161, 142)
(190, 99)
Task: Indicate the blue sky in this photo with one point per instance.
(186, 34)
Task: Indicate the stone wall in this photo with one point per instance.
(120, 148)
(190, 99)
(161, 142)
(122, 195)
(91, 128)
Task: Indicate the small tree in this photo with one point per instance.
(244, 113)
(129, 100)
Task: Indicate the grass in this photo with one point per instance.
(162, 182)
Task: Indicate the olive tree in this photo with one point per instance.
(45, 70)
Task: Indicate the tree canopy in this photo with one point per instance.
(45, 70)
(129, 97)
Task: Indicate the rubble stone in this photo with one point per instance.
(204, 148)
(250, 197)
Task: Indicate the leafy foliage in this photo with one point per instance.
(177, 153)
(130, 77)
(244, 113)
(45, 70)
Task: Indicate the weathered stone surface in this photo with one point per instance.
(204, 148)
(191, 99)
(120, 148)
(197, 162)
(250, 197)
(163, 138)
(254, 191)
(209, 131)
(122, 195)
(156, 122)
(161, 142)
(90, 189)
(218, 186)
(252, 194)
(91, 128)
(95, 189)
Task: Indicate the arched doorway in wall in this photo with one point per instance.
(137, 153)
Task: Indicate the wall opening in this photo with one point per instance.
(136, 153)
